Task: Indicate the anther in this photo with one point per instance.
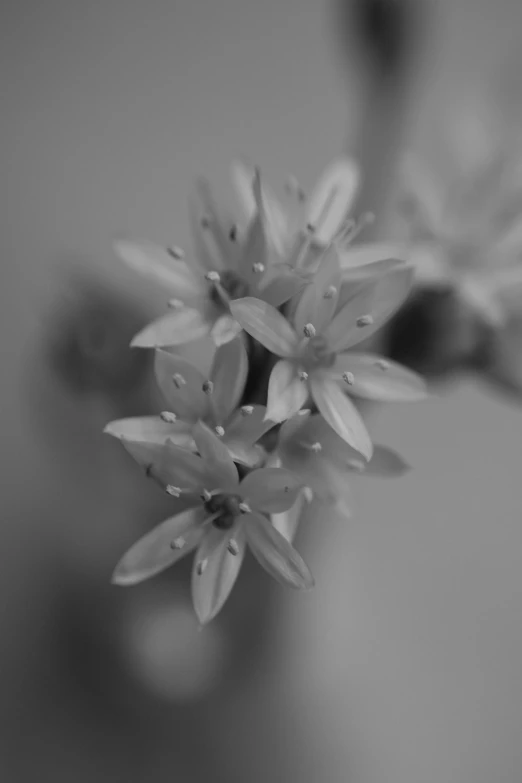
(178, 543)
(308, 493)
(208, 387)
(206, 496)
(178, 380)
(364, 320)
(247, 410)
(212, 277)
(176, 252)
(330, 292)
(200, 567)
(315, 447)
(258, 267)
(176, 304)
(245, 508)
(168, 417)
(302, 375)
(309, 330)
(382, 364)
(219, 430)
(232, 547)
(349, 378)
(174, 491)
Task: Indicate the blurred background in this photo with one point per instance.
(403, 665)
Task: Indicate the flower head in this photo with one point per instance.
(313, 348)
(230, 262)
(190, 397)
(223, 516)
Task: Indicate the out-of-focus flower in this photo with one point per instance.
(312, 349)
(230, 262)
(466, 248)
(191, 397)
(223, 515)
(301, 230)
(311, 449)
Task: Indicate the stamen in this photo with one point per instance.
(364, 320)
(168, 417)
(233, 547)
(309, 330)
(382, 364)
(212, 277)
(245, 508)
(352, 228)
(208, 387)
(178, 380)
(219, 430)
(247, 410)
(174, 491)
(206, 496)
(349, 378)
(200, 567)
(175, 304)
(258, 268)
(315, 447)
(330, 292)
(176, 252)
(308, 493)
(303, 376)
(178, 543)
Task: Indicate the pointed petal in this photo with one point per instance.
(341, 414)
(219, 225)
(332, 198)
(294, 425)
(386, 463)
(430, 264)
(287, 393)
(182, 386)
(275, 554)
(216, 456)
(225, 329)
(176, 327)
(277, 224)
(280, 283)
(368, 257)
(287, 522)
(158, 264)
(319, 299)
(188, 471)
(271, 489)
(228, 374)
(377, 298)
(265, 324)
(378, 379)
(148, 429)
(155, 552)
(212, 584)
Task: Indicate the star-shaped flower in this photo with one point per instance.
(229, 263)
(311, 449)
(312, 349)
(223, 516)
(190, 397)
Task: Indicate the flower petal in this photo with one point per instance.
(176, 327)
(186, 470)
(225, 329)
(385, 463)
(216, 456)
(340, 413)
(367, 306)
(155, 551)
(228, 374)
(368, 257)
(266, 325)
(275, 554)
(319, 299)
(219, 225)
(274, 216)
(287, 522)
(378, 379)
(287, 393)
(271, 489)
(332, 198)
(158, 264)
(182, 386)
(245, 427)
(212, 584)
(279, 285)
(148, 429)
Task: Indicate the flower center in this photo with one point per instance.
(317, 353)
(226, 506)
(233, 285)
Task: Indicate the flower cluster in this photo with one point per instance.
(465, 243)
(239, 472)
